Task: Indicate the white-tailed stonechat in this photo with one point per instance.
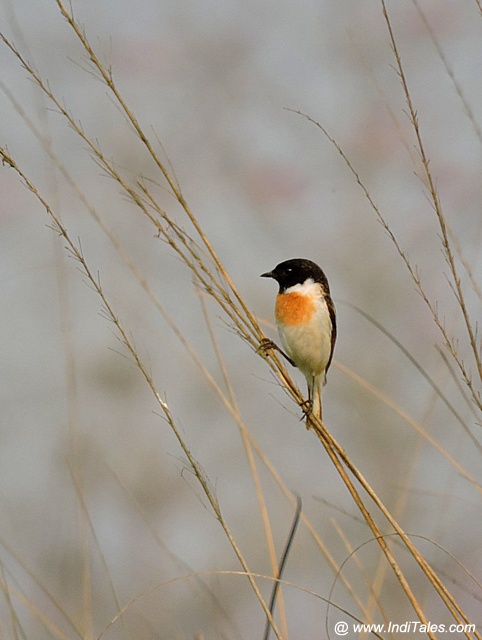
(306, 320)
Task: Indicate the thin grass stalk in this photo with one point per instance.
(425, 374)
(89, 526)
(338, 455)
(398, 509)
(107, 77)
(446, 243)
(178, 240)
(315, 535)
(412, 271)
(53, 630)
(53, 603)
(109, 313)
(282, 582)
(396, 541)
(371, 585)
(450, 72)
(413, 423)
(274, 363)
(252, 466)
(331, 448)
(14, 620)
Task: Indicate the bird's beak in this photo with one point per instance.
(268, 274)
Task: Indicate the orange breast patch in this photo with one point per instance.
(294, 308)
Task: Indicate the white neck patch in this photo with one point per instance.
(308, 288)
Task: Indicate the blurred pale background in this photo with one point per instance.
(212, 80)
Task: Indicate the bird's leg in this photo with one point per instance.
(307, 405)
(266, 345)
(313, 403)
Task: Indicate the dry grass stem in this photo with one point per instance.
(212, 282)
(446, 243)
(76, 252)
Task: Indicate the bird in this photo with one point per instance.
(306, 321)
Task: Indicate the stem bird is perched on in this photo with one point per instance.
(306, 319)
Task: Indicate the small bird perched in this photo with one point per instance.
(306, 320)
